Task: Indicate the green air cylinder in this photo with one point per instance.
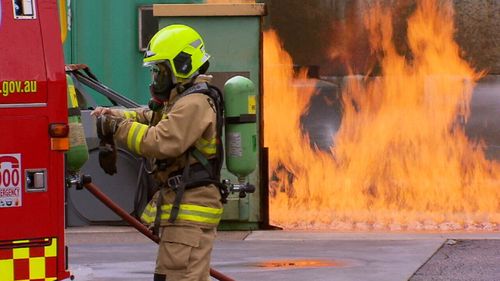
(78, 152)
(240, 126)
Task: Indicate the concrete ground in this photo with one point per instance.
(120, 253)
(463, 260)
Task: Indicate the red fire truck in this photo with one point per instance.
(34, 137)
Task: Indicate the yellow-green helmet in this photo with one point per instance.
(180, 46)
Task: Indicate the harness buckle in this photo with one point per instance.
(174, 182)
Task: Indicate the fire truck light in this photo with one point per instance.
(59, 136)
(58, 130)
(59, 144)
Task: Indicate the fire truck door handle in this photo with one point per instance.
(39, 180)
(36, 180)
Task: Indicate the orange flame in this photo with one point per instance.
(401, 159)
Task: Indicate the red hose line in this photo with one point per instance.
(92, 188)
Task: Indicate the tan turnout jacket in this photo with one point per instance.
(186, 121)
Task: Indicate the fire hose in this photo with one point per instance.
(87, 183)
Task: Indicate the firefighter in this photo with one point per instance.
(180, 134)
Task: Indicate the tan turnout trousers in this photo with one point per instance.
(184, 253)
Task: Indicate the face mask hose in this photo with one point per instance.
(156, 103)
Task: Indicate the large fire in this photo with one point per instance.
(401, 159)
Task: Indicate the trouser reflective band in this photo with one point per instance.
(193, 213)
(135, 135)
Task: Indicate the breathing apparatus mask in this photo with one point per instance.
(162, 83)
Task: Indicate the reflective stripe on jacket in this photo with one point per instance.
(141, 114)
(130, 114)
(187, 212)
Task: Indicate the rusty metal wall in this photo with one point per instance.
(478, 23)
(319, 32)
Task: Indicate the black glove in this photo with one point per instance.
(107, 157)
(106, 127)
